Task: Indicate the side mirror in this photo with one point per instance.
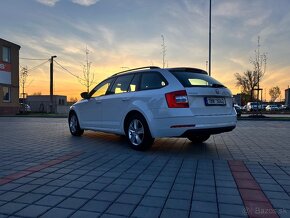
(85, 95)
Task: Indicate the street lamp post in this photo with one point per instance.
(209, 41)
(51, 84)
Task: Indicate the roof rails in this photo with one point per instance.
(139, 68)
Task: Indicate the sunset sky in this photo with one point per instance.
(127, 34)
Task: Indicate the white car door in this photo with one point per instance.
(118, 102)
(91, 110)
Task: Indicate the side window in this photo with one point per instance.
(134, 85)
(152, 80)
(101, 89)
(121, 84)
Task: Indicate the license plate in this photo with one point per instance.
(212, 101)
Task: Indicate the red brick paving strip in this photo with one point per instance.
(33, 169)
(256, 203)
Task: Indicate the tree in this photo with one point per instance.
(274, 92)
(22, 80)
(250, 80)
(73, 99)
(163, 51)
(88, 78)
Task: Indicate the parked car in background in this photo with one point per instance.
(254, 106)
(284, 107)
(24, 108)
(238, 109)
(272, 107)
(264, 106)
(149, 102)
(244, 108)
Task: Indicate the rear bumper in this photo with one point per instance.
(182, 126)
(210, 131)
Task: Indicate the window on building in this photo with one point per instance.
(6, 94)
(6, 54)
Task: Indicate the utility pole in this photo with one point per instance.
(51, 84)
(209, 41)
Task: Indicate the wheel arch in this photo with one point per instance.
(131, 113)
(73, 111)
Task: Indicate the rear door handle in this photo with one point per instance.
(98, 101)
(125, 99)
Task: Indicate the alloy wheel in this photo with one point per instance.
(136, 132)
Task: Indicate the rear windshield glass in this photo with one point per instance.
(191, 79)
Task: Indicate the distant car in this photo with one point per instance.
(244, 108)
(238, 109)
(284, 107)
(254, 106)
(24, 108)
(272, 107)
(150, 102)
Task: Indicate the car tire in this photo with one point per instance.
(138, 133)
(74, 126)
(196, 139)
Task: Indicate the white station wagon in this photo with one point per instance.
(150, 102)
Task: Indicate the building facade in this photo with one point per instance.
(9, 77)
(41, 103)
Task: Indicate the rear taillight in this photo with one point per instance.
(177, 99)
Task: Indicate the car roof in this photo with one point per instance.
(175, 69)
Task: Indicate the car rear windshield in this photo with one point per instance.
(192, 79)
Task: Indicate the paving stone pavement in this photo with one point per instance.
(45, 172)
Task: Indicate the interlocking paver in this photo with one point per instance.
(32, 211)
(129, 198)
(108, 179)
(277, 195)
(178, 204)
(200, 196)
(72, 203)
(29, 198)
(227, 191)
(86, 214)
(63, 191)
(151, 201)
(9, 196)
(50, 200)
(203, 206)
(180, 195)
(96, 206)
(232, 209)
(121, 209)
(136, 190)
(58, 212)
(11, 207)
(194, 214)
(45, 189)
(85, 193)
(143, 211)
(229, 199)
(172, 213)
